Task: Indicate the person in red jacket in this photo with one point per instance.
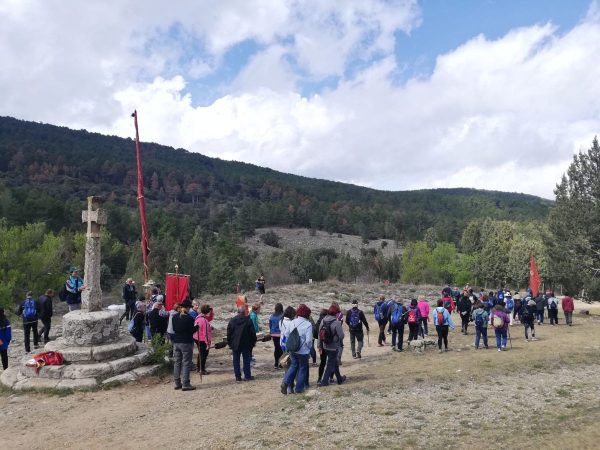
(568, 308)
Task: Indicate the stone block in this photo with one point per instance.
(44, 372)
(76, 354)
(124, 364)
(36, 383)
(146, 370)
(125, 347)
(83, 328)
(122, 378)
(78, 384)
(9, 377)
(79, 371)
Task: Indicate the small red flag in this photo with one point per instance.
(534, 277)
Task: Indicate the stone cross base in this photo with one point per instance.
(84, 329)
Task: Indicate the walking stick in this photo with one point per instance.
(509, 339)
(368, 340)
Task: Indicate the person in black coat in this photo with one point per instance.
(45, 302)
(129, 298)
(158, 319)
(464, 306)
(139, 321)
(241, 338)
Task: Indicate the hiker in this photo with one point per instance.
(156, 295)
(129, 297)
(500, 321)
(388, 304)
(5, 338)
(275, 332)
(322, 353)
(183, 346)
(254, 319)
(464, 307)
(442, 321)
(137, 322)
(28, 309)
(397, 316)
(413, 319)
(487, 303)
(331, 334)
(242, 301)
(540, 305)
(195, 310)
(340, 318)
(568, 306)
(552, 309)
(241, 338)
(73, 287)
(355, 319)
(518, 304)
(45, 302)
(509, 305)
(298, 342)
(423, 306)
(170, 331)
(289, 314)
(203, 336)
(527, 317)
(447, 291)
(480, 317)
(380, 313)
(449, 303)
(158, 320)
(313, 352)
(260, 284)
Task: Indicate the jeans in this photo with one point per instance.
(479, 333)
(423, 327)
(381, 338)
(183, 363)
(27, 329)
(539, 315)
(246, 355)
(568, 317)
(398, 332)
(45, 330)
(332, 367)
(442, 332)
(501, 335)
(277, 352)
(298, 367)
(4, 357)
(74, 307)
(359, 336)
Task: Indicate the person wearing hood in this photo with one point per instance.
(527, 317)
(355, 319)
(568, 306)
(331, 334)
(300, 335)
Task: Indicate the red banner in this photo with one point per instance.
(534, 277)
(177, 289)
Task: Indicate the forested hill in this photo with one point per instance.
(46, 171)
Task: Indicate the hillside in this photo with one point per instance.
(46, 171)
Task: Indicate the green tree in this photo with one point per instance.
(417, 263)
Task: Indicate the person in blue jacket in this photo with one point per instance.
(275, 332)
(5, 338)
(442, 321)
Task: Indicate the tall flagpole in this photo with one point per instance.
(142, 204)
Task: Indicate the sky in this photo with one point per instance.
(393, 95)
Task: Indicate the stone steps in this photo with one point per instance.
(124, 346)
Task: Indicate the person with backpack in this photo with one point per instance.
(355, 319)
(298, 343)
(380, 313)
(500, 321)
(285, 327)
(509, 305)
(540, 306)
(442, 321)
(388, 304)
(518, 304)
(449, 303)
(464, 310)
(46, 310)
(423, 306)
(322, 353)
(568, 306)
(73, 287)
(137, 322)
(413, 319)
(527, 318)
(552, 309)
(480, 317)
(487, 303)
(203, 337)
(29, 310)
(331, 334)
(397, 316)
(5, 338)
(275, 333)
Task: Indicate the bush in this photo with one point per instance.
(270, 238)
(160, 351)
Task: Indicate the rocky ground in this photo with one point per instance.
(539, 394)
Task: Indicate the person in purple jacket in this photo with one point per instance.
(500, 321)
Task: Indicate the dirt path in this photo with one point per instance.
(544, 393)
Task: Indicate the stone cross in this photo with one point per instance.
(91, 297)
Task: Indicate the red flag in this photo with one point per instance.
(534, 277)
(177, 289)
(142, 203)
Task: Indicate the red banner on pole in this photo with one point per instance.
(142, 203)
(177, 289)
(534, 277)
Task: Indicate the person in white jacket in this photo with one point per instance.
(298, 345)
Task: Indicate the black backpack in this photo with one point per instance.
(293, 343)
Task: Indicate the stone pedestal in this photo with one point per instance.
(81, 328)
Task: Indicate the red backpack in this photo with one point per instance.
(412, 316)
(440, 317)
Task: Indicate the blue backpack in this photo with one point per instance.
(397, 314)
(354, 321)
(378, 311)
(500, 296)
(479, 322)
(510, 304)
(29, 309)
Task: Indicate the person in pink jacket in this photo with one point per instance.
(568, 307)
(423, 306)
(203, 336)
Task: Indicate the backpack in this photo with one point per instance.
(62, 294)
(526, 313)
(354, 321)
(552, 303)
(510, 303)
(293, 343)
(131, 324)
(325, 333)
(378, 311)
(29, 309)
(440, 317)
(412, 316)
(498, 322)
(397, 314)
(500, 296)
(478, 315)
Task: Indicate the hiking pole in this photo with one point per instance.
(368, 340)
(509, 339)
